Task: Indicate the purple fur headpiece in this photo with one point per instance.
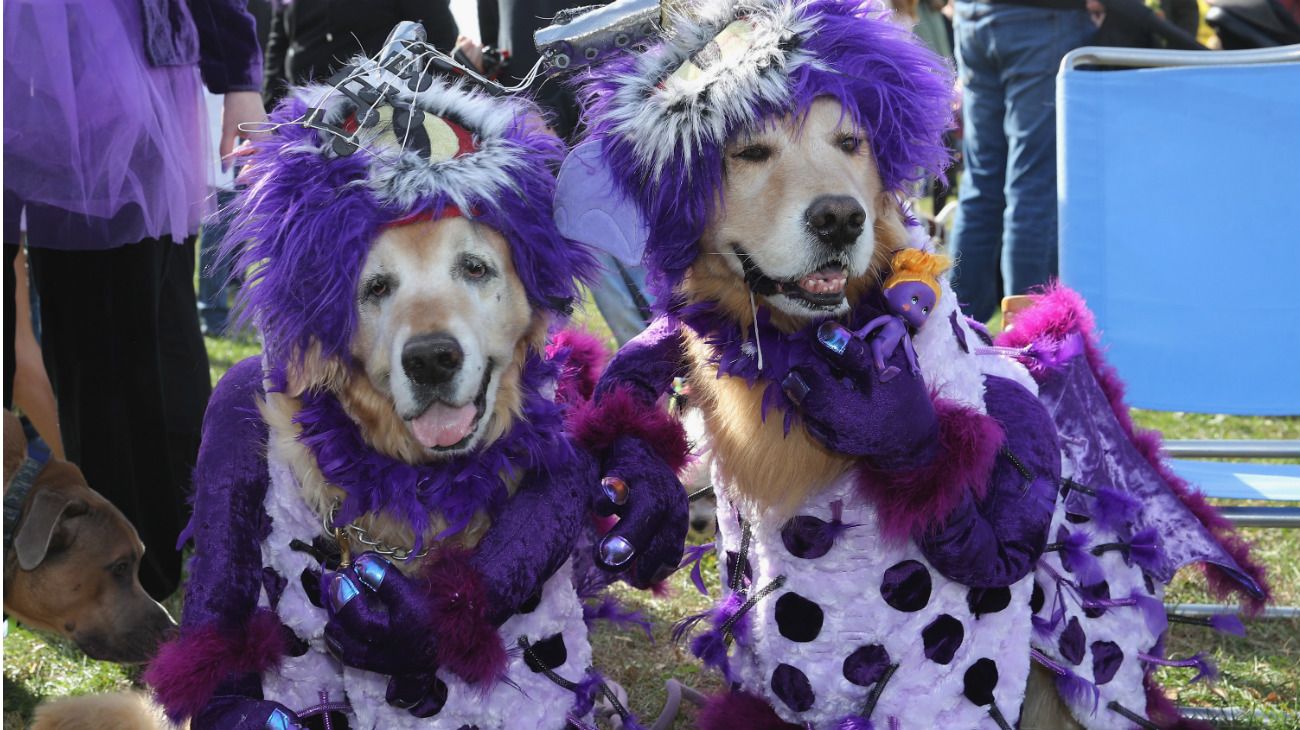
(663, 117)
(385, 142)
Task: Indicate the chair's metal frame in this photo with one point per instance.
(1270, 517)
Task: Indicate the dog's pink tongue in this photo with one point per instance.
(443, 425)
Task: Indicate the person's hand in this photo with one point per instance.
(240, 107)
(650, 502)
(472, 50)
(847, 407)
(379, 620)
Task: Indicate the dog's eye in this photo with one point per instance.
(754, 153)
(120, 569)
(850, 143)
(475, 268)
(378, 287)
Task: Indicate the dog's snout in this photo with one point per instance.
(432, 359)
(836, 220)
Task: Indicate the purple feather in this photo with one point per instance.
(711, 650)
(586, 692)
(695, 556)
(855, 722)
(1074, 689)
(1153, 612)
(1228, 623)
(1077, 557)
(612, 610)
(1144, 549)
(1113, 509)
(1205, 668)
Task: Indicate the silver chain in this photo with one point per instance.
(358, 533)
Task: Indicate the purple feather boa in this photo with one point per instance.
(457, 488)
(891, 86)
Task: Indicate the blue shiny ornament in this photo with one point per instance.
(834, 337)
(342, 590)
(615, 489)
(280, 720)
(616, 551)
(371, 570)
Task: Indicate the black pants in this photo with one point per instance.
(122, 346)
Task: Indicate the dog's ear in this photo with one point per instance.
(39, 534)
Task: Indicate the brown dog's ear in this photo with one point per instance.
(891, 234)
(37, 531)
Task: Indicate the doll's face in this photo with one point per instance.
(911, 300)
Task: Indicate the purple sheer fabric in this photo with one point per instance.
(93, 130)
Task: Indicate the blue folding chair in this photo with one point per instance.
(1179, 184)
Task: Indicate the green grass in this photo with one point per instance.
(1260, 672)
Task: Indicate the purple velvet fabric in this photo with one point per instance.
(846, 406)
(231, 712)
(534, 534)
(384, 625)
(647, 363)
(1106, 457)
(230, 58)
(996, 539)
(655, 518)
(229, 523)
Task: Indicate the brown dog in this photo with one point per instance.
(73, 565)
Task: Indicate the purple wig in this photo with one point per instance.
(663, 132)
(346, 160)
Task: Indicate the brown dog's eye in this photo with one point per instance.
(120, 569)
(378, 287)
(474, 268)
(850, 143)
(754, 153)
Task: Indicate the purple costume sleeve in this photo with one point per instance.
(229, 523)
(534, 535)
(646, 364)
(994, 540)
(230, 58)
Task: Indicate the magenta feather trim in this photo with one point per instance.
(734, 710)
(1059, 312)
(468, 643)
(913, 501)
(598, 424)
(187, 670)
(582, 357)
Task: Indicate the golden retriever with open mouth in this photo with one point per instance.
(874, 573)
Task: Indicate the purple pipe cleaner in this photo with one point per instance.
(457, 488)
(1205, 668)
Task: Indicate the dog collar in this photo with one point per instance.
(38, 455)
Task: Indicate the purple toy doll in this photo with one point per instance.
(910, 293)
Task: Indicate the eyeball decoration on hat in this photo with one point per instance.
(389, 141)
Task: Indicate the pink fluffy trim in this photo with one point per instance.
(584, 357)
(915, 500)
(188, 669)
(468, 643)
(1059, 311)
(598, 424)
(735, 710)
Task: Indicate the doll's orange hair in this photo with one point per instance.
(913, 264)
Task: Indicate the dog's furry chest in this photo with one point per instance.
(308, 680)
(868, 603)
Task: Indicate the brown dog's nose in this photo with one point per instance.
(432, 359)
(836, 220)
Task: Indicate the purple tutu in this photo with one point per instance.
(102, 148)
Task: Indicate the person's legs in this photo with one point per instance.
(977, 231)
(1033, 41)
(214, 270)
(186, 380)
(100, 328)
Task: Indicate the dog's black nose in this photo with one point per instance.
(836, 220)
(432, 359)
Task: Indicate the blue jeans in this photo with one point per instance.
(1004, 237)
(214, 270)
